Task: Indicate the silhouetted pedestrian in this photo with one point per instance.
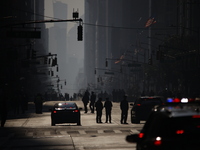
(92, 102)
(85, 100)
(99, 108)
(38, 103)
(3, 105)
(108, 107)
(4, 111)
(124, 110)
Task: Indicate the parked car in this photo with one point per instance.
(172, 127)
(65, 112)
(142, 107)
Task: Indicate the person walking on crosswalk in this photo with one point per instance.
(124, 110)
(108, 107)
(99, 108)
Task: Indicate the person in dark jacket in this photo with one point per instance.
(99, 108)
(3, 104)
(108, 107)
(3, 110)
(38, 103)
(124, 110)
(92, 102)
(85, 100)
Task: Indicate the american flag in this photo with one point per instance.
(118, 61)
(150, 21)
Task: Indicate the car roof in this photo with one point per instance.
(179, 110)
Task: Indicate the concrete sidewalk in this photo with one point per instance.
(6, 132)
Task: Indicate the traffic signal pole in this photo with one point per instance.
(44, 21)
(75, 19)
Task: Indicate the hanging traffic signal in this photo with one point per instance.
(45, 60)
(150, 61)
(106, 63)
(54, 62)
(33, 54)
(80, 33)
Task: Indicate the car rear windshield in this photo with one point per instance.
(65, 105)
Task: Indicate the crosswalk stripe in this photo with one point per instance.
(47, 133)
(100, 131)
(117, 131)
(134, 131)
(82, 132)
(63, 132)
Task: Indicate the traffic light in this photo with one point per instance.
(45, 60)
(159, 55)
(150, 61)
(106, 63)
(33, 54)
(80, 33)
(28, 53)
(54, 62)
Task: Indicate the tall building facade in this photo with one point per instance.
(112, 29)
(20, 39)
(141, 45)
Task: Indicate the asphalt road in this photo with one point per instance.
(34, 131)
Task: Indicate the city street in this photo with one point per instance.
(34, 131)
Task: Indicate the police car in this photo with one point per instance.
(175, 126)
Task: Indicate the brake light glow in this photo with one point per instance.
(138, 104)
(191, 100)
(54, 112)
(76, 110)
(196, 116)
(141, 135)
(179, 131)
(158, 141)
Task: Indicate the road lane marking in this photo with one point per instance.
(82, 132)
(117, 131)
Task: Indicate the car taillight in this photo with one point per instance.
(138, 104)
(76, 110)
(141, 135)
(158, 141)
(54, 111)
(196, 116)
(179, 131)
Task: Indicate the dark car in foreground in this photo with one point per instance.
(65, 112)
(173, 127)
(142, 107)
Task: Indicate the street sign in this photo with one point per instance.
(24, 34)
(111, 73)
